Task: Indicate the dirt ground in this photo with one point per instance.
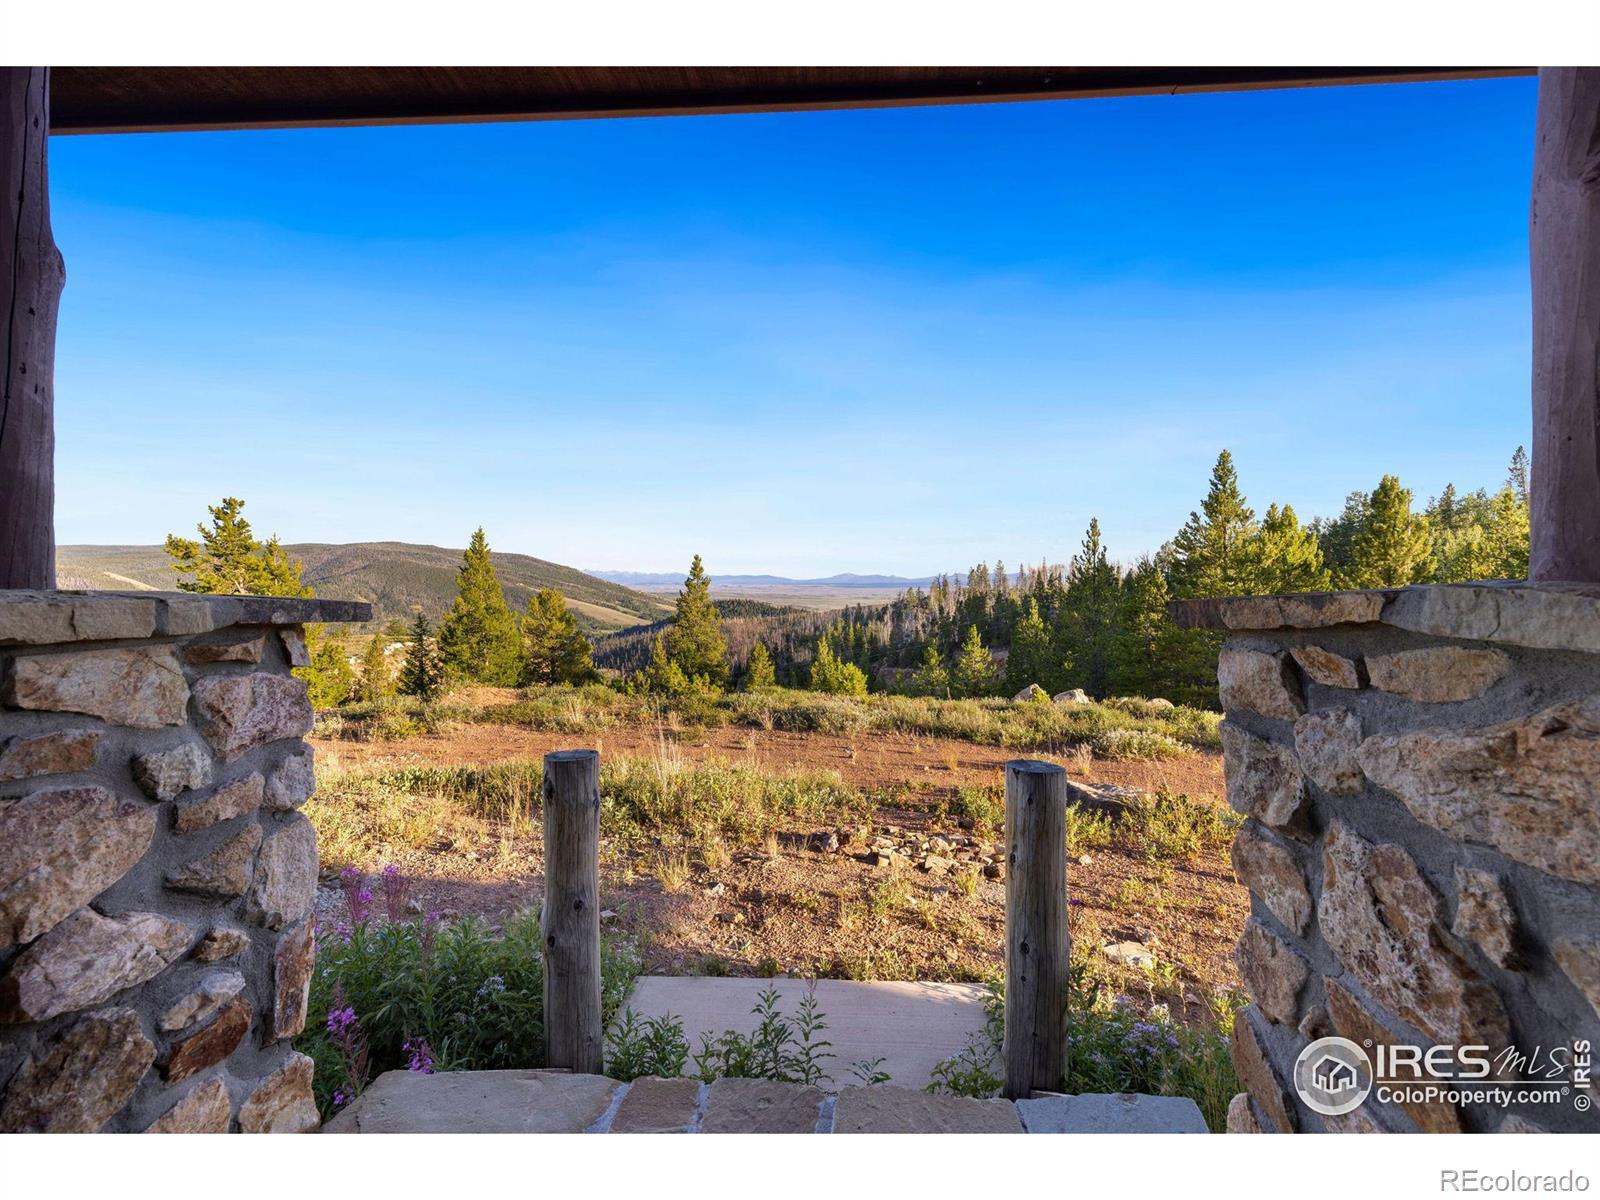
(796, 910)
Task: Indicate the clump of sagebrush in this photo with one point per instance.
(1167, 825)
(1114, 1044)
(450, 996)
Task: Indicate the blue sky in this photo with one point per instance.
(898, 340)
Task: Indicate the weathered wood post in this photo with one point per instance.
(574, 1036)
(1038, 946)
(1564, 248)
(31, 277)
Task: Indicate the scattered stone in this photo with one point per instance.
(211, 1044)
(1242, 1116)
(1032, 692)
(1130, 954)
(1071, 696)
(1263, 683)
(164, 773)
(994, 869)
(1484, 916)
(48, 754)
(1525, 787)
(1326, 667)
(244, 646)
(1438, 674)
(225, 872)
(1109, 798)
(655, 1105)
(205, 1109)
(215, 990)
(884, 1108)
(1272, 970)
(237, 713)
(1579, 958)
(1327, 743)
(935, 864)
(81, 1080)
(294, 646)
(882, 858)
(1125, 1112)
(1274, 875)
(232, 799)
(825, 842)
(1384, 921)
(286, 876)
(292, 782)
(1263, 779)
(939, 845)
(731, 918)
(87, 959)
(142, 686)
(1259, 1076)
(1352, 1020)
(221, 943)
(717, 889)
(59, 849)
(454, 1102)
(761, 1106)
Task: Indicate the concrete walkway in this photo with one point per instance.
(558, 1102)
(912, 1026)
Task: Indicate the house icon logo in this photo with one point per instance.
(1333, 1076)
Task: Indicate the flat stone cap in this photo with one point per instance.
(1542, 616)
(1096, 1112)
(39, 618)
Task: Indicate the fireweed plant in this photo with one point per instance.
(400, 991)
(782, 1049)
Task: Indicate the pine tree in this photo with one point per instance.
(1390, 549)
(228, 560)
(1086, 627)
(1029, 661)
(478, 638)
(759, 674)
(695, 642)
(329, 679)
(833, 675)
(1287, 557)
(1213, 551)
(375, 681)
(931, 679)
(422, 674)
(1337, 537)
(974, 670)
(1517, 476)
(663, 676)
(554, 649)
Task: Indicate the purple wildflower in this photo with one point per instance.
(340, 1099)
(356, 894)
(341, 1020)
(420, 1056)
(395, 889)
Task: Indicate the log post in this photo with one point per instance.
(1038, 946)
(574, 1036)
(1564, 247)
(31, 278)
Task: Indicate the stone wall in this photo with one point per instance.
(1420, 773)
(156, 878)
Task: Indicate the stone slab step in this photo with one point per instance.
(560, 1102)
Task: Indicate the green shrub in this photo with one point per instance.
(985, 807)
(1162, 825)
(1141, 744)
(655, 1046)
(1087, 829)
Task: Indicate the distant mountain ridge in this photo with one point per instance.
(659, 579)
(396, 577)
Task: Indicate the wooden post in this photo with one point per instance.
(1564, 245)
(573, 1034)
(1038, 946)
(31, 277)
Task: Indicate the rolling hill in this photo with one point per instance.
(395, 576)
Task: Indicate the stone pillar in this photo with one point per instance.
(156, 878)
(1419, 772)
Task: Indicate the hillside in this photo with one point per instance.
(394, 576)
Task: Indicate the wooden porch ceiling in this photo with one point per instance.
(151, 99)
